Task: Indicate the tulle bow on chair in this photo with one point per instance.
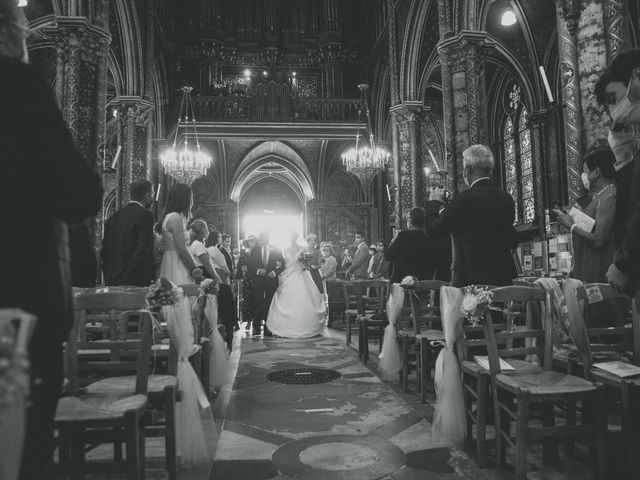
(391, 356)
(449, 416)
(190, 427)
(218, 358)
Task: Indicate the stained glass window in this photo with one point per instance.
(518, 164)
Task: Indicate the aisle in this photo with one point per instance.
(355, 427)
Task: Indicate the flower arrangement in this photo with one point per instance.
(306, 258)
(208, 287)
(475, 301)
(14, 374)
(409, 282)
(162, 293)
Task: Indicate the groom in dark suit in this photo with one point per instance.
(480, 219)
(127, 247)
(264, 264)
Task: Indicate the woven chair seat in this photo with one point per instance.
(97, 408)
(126, 384)
(431, 335)
(544, 383)
(474, 368)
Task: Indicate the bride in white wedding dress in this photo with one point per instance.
(297, 309)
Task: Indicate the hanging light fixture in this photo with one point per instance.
(365, 161)
(185, 164)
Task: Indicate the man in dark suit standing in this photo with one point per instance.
(45, 183)
(439, 259)
(264, 264)
(358, 268)
(127, 247)
(480, 219)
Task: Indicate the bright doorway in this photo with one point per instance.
(278, 225)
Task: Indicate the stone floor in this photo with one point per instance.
(354, 428)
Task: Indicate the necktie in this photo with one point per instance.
(264, 256)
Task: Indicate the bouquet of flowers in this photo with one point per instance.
(474, 303)
(409, 282)
(208, 287)
(162, 293)
(306, 258)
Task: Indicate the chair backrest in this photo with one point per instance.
(335, 292)
(350, 292)
(97, 313)
(372, 295)
(622, 334)
(118, 353)
(425, 312)
(532, 339)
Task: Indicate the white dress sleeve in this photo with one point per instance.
(196, 249)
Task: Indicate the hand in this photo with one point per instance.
(262, 272)
(196, 273)
(616, 278)
(271, 274)
(564, 218)
(437, 194)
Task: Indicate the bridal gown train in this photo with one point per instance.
(297, 309)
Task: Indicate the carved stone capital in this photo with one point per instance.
(133, 109)
(571, 10)
(466, 46)
(76, 37)
(409, 111)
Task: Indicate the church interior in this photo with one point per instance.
(336, 117)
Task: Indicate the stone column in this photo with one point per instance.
(410, 118)
(567, 18)
(464, 94)
(394, 168)
(615, 26)
(81, 90)
(135, 116)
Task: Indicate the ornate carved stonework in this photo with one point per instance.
(568, 13)
(615, 26)
(204, 190)
(341, 188)
(464, 96)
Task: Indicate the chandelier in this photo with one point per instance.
(186, 163)
(365, 161)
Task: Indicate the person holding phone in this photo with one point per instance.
(593, 251)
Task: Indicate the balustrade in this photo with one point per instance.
(284, 109)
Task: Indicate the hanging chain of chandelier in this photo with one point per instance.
(185, 163)
(365, 161)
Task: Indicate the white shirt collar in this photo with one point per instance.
(478, 179)
(136, 202)
(362, 242)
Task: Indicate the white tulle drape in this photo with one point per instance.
(391, 356)
(194, 404)
(449, 422)
(15, 389)
(218, 358)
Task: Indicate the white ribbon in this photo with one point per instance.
(391, 355)
(449, 416)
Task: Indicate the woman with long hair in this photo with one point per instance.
(178, 265)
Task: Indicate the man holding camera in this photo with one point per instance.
(480, 220)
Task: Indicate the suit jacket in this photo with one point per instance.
(409, 255)
(227, 258)
(480, 220)
(275, 263)
(360, 261)
(127, 247)
(45, 182)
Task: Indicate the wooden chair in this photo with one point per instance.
(350, 292)
(337, 305)
(515, 395)
(90, 418)
(424, 326)
(162, 388)
(618, 342)
(476, 379)
(372, 319)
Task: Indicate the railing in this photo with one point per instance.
(274, 109)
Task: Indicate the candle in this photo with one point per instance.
(388, 192)
(546, 83)
(116, 156)
(158, 192)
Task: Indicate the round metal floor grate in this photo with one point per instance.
(304, 376)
